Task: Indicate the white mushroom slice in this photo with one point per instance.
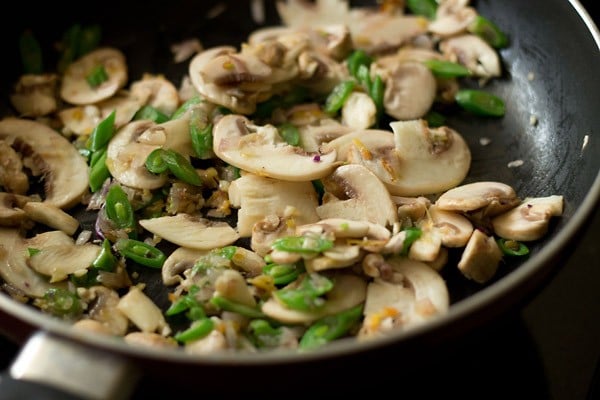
(312, 136)
(232, 285)
(432, 160)
(452, 17)
(215, 341)
(191, 231)
(346, 228)
(248, 261)
(340, 256)
(480, 258)
(142, 311)
(60, 260)
(51, 216)
(102, 307)
(528, 221)
(13, 264)
(353, 192)
(411, 209)
(410, 90)
(13, 177)
(65, 170)
(417, 294)
(257, 197)
(150, 339)
(11, 213)
(474, 53)
(126, 157)
(178, 262)
(75, 88)
(35, 95)
(440, 261)
(359, 111)
(159, 93)
(91, 325)
(262, 151)
(491, 197)
(454, 229)
(173, 134)
(348, 291)
(269, 229)
(427, 247)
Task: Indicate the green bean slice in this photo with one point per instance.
(99, 172)
(336, 99)
(302, 244)
(480, 102)
(102, 133)
(447, 69)
(186, 106)
(242, 309)
(289, 133)
(155, 162)
(512, 247)
(412, 234)
(105, 261)
(141, 253)
(97, 76)
(119, 209)
(197, 330)
(330, 328)
(306, 296)
(150, 113)
(62, 302)
(488, 31)
(425, 8)
(181, 167)
(356, 59)
(283, 274)
(201, 135)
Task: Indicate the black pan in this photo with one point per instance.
(553, 39)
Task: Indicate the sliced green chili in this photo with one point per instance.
(102, 133)
(98, 172)
(488, 31)
(140, 252)
(426, 8)
(181, 167)
(447, 69)
(434, 119)
(364, 77)
(197, 330)
(201, 134)
(62, 302)
(186, 106)
(338, 96)
(119, 209)
(512, 247)
(355, 60)
(306, 296)
(31, 53)
(412, 234)
(97, 76)
(376, 92)
(151, 113)
(105, 261)
(155, 162)
(330, 328)
(302, 244)
(263, 334)
(289, 132)
(32, 251)
(90, 278)
(242, 309)
(480, 102)
(283, 274)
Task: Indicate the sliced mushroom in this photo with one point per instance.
(313, 135)
(103, 307)
(65, 170)
(75, 88)
(530, 220)
(348, 291)
(427, 247)
(339, 256)
(173, 134)
(232, 285)
(453, 228)
(411, 209)
(159, 93)
(346, 228)
(150, 339)
(480, 258)
(215, 341)
(269, 229)
(13, 263)
(51, 216)
(142, 311)
(415, 295)
(353, 192)
(179, 261)
(60, 260)
(248, 261)
(452, 17)
(190, 231)
(35, 95)
(262, 151)
(11, 212)
(491, 198)
(126, 157)
(474, 53)
(12, 177)
(359, 111)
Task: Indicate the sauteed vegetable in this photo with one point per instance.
(292, 190)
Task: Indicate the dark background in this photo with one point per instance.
(550, 349)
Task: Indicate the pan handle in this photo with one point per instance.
(51, 367)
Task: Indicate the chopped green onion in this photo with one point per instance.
(283, 274)
(412, 234)
(488, 31)
(330, 328)
(151, 113)
(99, 172)
(512, 247)
(197, 330)
(105, 261)
(97, 76)
(306, 296)
(186, 106)
(31, 53)
(289, 133)
(426, 8)
(181, 167)
(480, 102)
(302, 244)
(447, 69)
(155, 162)
(119, 209)
(102, 133)
(338, 96)
(242, 309)
(201, 134)
(140, 252)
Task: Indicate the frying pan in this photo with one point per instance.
(554, 39)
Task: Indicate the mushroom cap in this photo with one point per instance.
(262, 151)
(493, 197)
(76, 90)
(126, 157)
(356, 193)
(66, 175)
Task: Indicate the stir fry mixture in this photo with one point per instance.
(295, 190)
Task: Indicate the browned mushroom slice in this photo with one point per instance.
(492, 198)
(481, 257)
(353, 192)
(65, 171)
(530, 220)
